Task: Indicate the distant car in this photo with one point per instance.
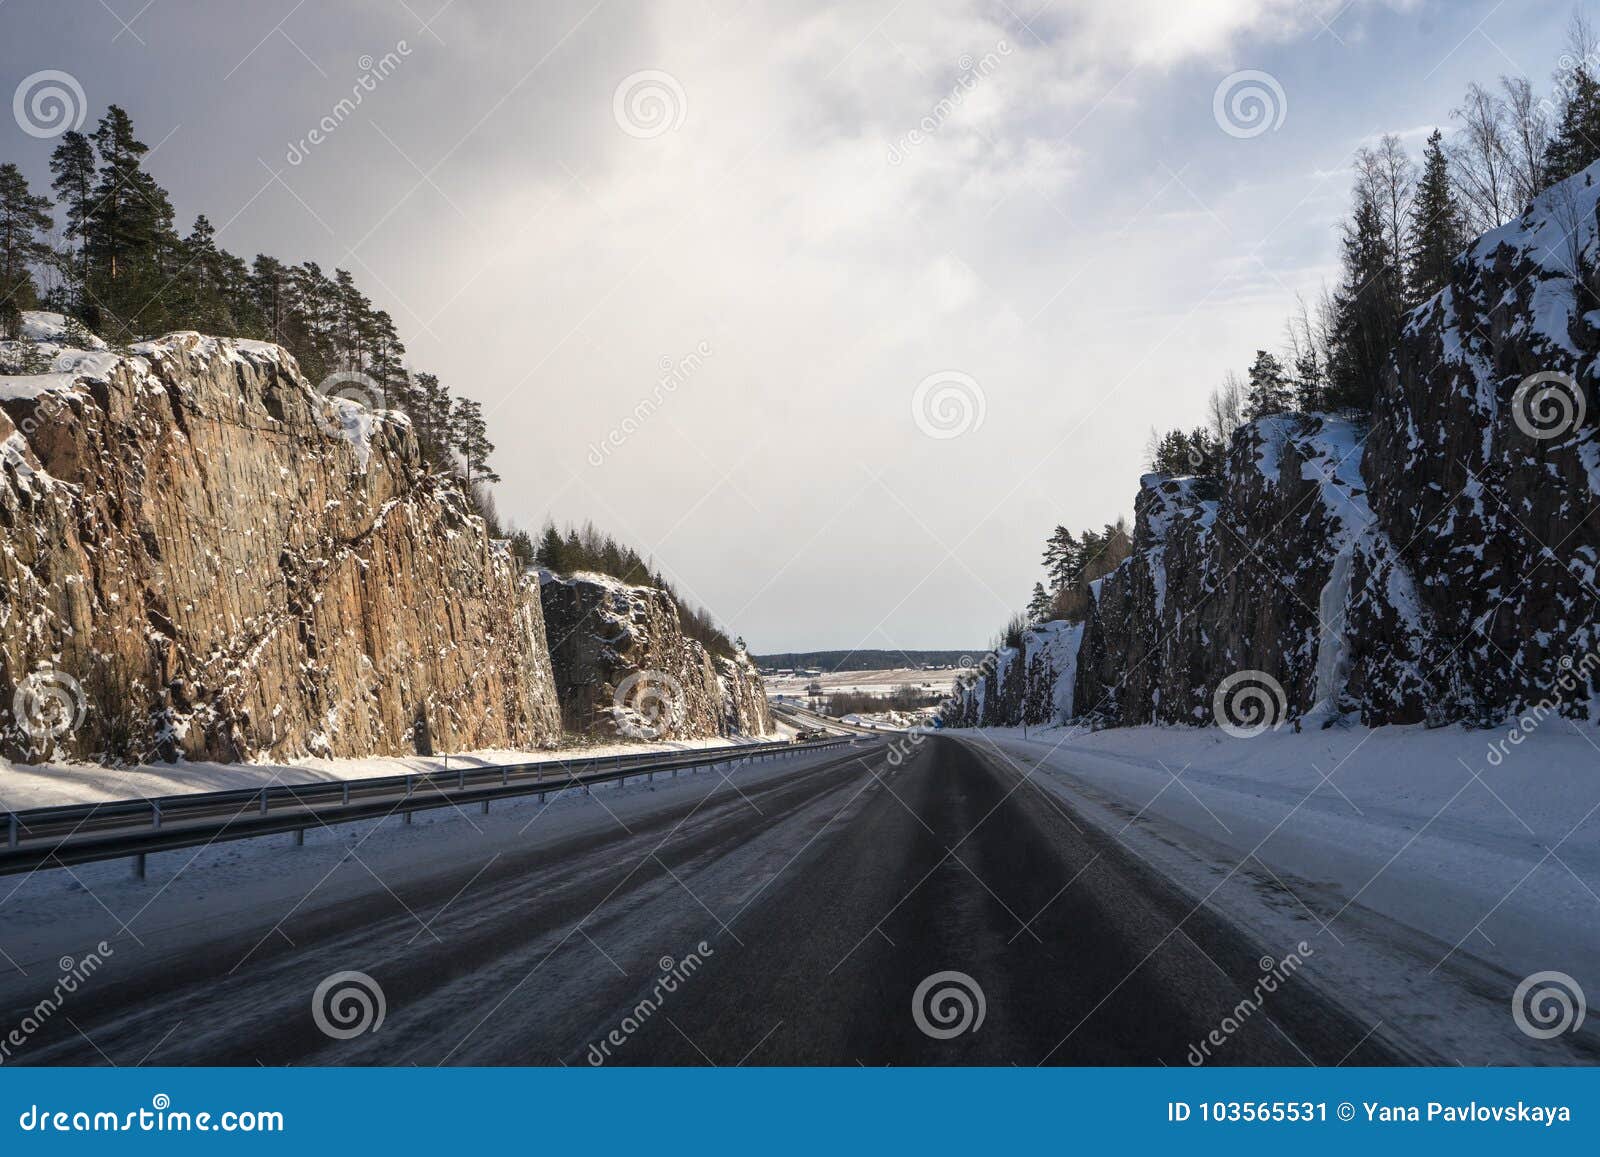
(807, 734)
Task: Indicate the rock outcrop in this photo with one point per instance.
(624, 668)
(203, 556)
(1436, 562)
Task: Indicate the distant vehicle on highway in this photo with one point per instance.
(807, 734)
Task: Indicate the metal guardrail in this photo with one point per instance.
(87, 833)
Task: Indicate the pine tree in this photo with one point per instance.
(270, 291)
(23, 216)
(552, 550)
(1061, 558)
(1366, 322)
(129, 229)
(1310, 382)
(470, 436)
(72, 166)
(1576, 143)
(1040, 605)
(1268, 389)
(1437, 230)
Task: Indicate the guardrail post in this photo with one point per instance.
(347, 793)
(11, 831)
(505, 778)
(461, 778)
(485, 807)
(138, 866)
(155, 813)
(299, 837)
(263, 801)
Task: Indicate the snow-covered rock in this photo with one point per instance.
(195, 548)
(624, 668)
(1437, 563)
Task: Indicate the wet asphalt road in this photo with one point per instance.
(787, 919)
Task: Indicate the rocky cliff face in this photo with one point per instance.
(1436, 562)
(624, 668)
(202, 555)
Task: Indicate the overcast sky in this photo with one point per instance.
(1043, 207)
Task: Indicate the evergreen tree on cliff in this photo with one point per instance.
(470, 437)
(552, 550)
(130, 232)
(1366, 311)
(1062, 559)
(73, 180)
(1576, 141)
(1040, 605)
(1269, 390)
(23, 216)
(1438, 229)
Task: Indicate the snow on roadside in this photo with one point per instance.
(31, 785)
(1430, 870)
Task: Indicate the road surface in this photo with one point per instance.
(795, 915)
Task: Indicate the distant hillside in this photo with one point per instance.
(861, 660)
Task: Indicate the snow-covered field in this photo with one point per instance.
(1431, 870)
(31, 785)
